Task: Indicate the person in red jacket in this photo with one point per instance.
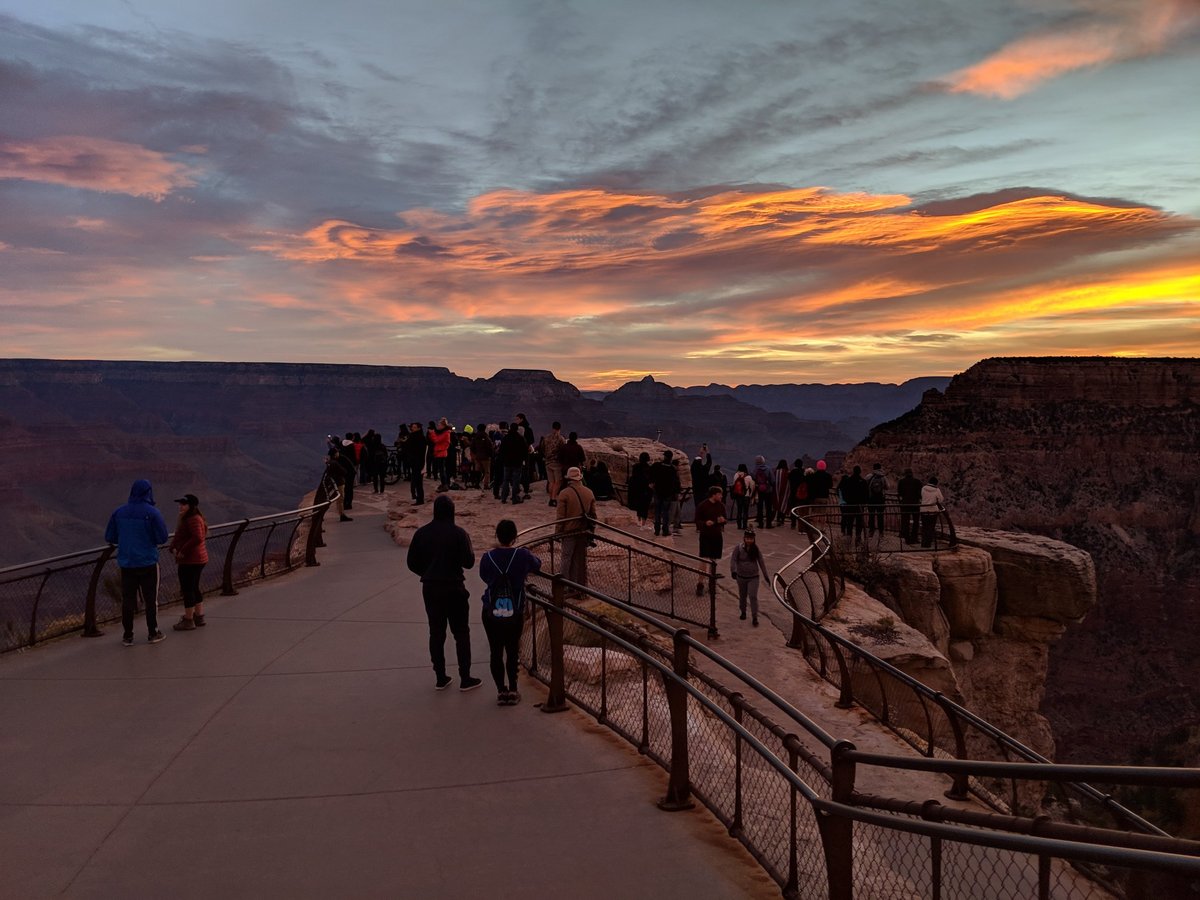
(188, 546)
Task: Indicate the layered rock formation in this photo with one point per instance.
(1103, 455)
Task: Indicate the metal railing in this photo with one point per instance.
(79, 591)
(639, 571)
(888, 527)
(928, 721)
(736, 746)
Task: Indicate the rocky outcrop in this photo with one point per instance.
(1100, 454)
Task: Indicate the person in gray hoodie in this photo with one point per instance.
(138, 528)
(440, 553)
(745, 563)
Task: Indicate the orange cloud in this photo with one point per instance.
(1118, 32)
(94, 164)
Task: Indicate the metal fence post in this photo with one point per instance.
(837, 833)
(227, 578)
(89, 608)
(557, 700)
(679, 791)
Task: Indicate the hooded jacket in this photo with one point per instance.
(137, 528)
(441, 551)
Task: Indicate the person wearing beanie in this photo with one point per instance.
(440, 553)
(574, 524)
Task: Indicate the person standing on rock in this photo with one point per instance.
(710, 526)
(764, 493)
(440, 553)
(640, 495)
(191, 556)
(574, 525)
(876, 499)
(933, 503)
(908, 490)
(137, 528)
(745, 563)
(504, 570)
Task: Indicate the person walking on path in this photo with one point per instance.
(137, 528)
(745, 563)
(574, 523)
(933, 502)
(440, 552)
(189, 547)
(710, 525)
(504, 569)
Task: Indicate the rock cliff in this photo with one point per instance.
(1103, 455)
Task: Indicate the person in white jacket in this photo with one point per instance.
(932, 504)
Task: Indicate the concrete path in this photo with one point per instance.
(296, 747)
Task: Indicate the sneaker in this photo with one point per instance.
(502, 698)
(754, 621)
(184, 624)
(443, 682)
(199, 620)
(156, 637)
(345, 518)
(127, 641)
(743, 616)
(514, 697)
(469, 684)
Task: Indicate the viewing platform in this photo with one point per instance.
(296, 747)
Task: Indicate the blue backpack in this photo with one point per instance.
(504, 597)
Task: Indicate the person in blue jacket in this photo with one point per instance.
(138, 528)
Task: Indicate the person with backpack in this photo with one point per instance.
(764, 494)
(574, 524)
(876, 498)
(504, 569)
(742, 491)
(745, 563)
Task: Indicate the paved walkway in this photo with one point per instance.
(296, 747)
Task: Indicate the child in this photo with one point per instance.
(504, 569)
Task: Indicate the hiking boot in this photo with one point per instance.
(442, 683)
(469, 684)
(198, 618)
(156, 637)
(184, 624)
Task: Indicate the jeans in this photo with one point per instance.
(446, 603)
(512, 481)
(662, 515)
(139, 581)
(504, 642)
(748, 591)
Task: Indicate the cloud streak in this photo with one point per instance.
(94, 164)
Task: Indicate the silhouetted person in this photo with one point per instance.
(440, 552)
(909, 491)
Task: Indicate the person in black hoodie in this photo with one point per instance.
(440, 552)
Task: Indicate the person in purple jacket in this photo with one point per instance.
(138, 528)
(504, 569)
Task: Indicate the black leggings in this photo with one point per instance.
(189, 583)
(504, 640)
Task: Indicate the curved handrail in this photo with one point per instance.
(957, 715)
(735, 788)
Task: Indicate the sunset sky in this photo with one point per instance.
(764, 191)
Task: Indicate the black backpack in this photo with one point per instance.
(504, 597)
(876, 488)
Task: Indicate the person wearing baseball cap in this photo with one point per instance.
(188, 546)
